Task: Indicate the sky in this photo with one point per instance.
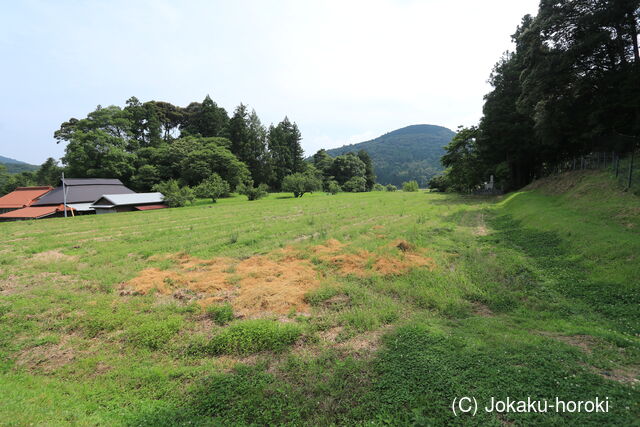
(344, 71)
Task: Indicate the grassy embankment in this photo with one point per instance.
(342, 309)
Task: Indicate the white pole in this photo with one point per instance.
(64, 195)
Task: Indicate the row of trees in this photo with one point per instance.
(571, 86)
(147, 143)
(195, 151)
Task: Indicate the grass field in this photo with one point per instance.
(373, 308)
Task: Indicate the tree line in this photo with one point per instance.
(198, 150)
(570, 87)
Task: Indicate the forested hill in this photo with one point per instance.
(16, 166)
(412, 152)
(9, 160)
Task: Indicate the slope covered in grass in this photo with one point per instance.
(416, 299)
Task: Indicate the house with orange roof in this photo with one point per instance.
(22, 197)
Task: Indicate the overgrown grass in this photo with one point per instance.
(533, 294)
(251, 336)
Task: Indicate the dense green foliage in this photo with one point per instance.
(410, 153)
(213, 188)
(300, 183)
(146, 143)
(18, 167)
(410, 186)
(175, 195)
(569, 88)
(353, 172)
(48, 173)
(253, 192)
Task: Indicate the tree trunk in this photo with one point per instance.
(634, 38)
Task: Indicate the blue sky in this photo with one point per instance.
(345, 71)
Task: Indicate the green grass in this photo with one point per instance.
(534, 294)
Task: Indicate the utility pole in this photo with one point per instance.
(64, 195)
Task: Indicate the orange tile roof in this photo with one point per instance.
(22, 197)
(34, 212)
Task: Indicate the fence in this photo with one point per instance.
(624, 167)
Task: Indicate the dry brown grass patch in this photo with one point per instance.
(585, 343)
(481, 310)
(52, 256)
(256, 286)
(46, 358)
(275, 283)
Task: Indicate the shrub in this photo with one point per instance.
(174, 195)
(220, 314)
(213, 188)
(252, 336)
(300, 183)
(357, 184)
(410, 186)
(391, 187)
(378, 187)
(439, 183)
(333, 187)
(252, 193)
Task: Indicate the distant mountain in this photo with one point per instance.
(16, 166)
(8, 160)
(412, 152)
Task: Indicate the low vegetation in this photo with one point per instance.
(369, 308)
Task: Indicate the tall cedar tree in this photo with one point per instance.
(286, 151)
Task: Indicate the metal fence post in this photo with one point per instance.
(617, 165)
(630, 169)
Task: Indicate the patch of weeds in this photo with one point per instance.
(154, 333)
(319, 295)
(360, 320)
(4, 309)
(48, 339)
(233, 237)
(231, 269)
(252, 336)
(220, 314)
(234, 279)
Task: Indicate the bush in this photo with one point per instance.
(213, 188)
(253, 193)
(378, 187)
(391, 187)
(300, 183)
(357, 184)
(410, 186)
(252, 336)
(220, 314)
(333, 187)
(439, 183)
(174, 195)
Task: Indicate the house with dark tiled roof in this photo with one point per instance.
(80, 195)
